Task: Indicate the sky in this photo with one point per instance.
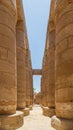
(36, 14)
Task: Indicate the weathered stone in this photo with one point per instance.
(61, 124)
(64, 59)
(8, 88)
(30, 107)
(48, 111)
(13, 65)
(21, 76)
(25, 111)
(48, 68)
(11, 122)
(29, 80)
(24, 68)
(63, 65)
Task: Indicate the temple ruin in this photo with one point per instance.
(16, 72)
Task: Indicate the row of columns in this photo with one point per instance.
(60, 65)
(16, 85)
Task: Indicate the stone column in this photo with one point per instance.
(44, 77)
(8, 95)
(31, 83)
(51, 74)
(50, 64)
(8, 78)
(27, 79)
(21, 59)
(21, 77)
(43, 89)
(47, 111)
(31, 90)
(41, 93)
(31, 80)
(45, 82)
(64, 65)
(51, 69)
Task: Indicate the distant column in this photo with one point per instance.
(64, 65)
(31, 83)
(28, 78)
(41, 92)
(51, 70)
(44, 77)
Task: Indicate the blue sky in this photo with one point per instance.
(36, 14)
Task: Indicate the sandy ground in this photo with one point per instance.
(36, 121)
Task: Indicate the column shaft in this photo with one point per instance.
(21, 76)
(8, 86)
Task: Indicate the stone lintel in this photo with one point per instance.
(37, 71)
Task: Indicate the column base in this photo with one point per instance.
(26, 111)
(30, 107)
(61, 124)
(48, 111)
(11, 122)
(41, 106)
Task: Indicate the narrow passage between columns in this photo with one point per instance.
(36, 121)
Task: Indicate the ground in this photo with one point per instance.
(36, 121)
